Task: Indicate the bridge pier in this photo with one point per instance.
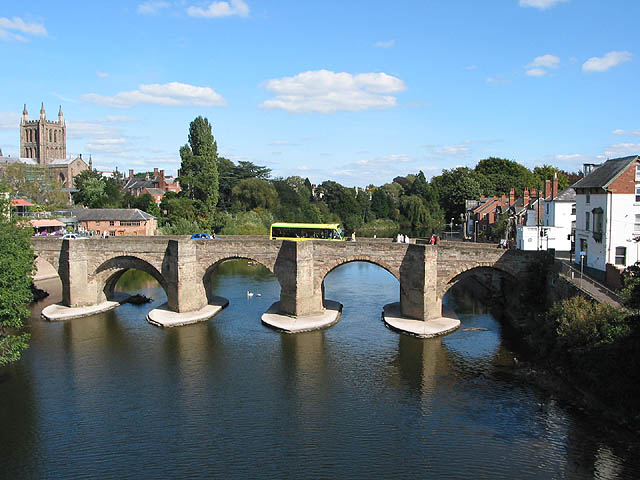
(418, 283)
(74, 275)
(295, 268)
(185, 292)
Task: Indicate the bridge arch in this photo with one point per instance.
(322, 272)
(470, 270)
(106, 276)
(208, 271)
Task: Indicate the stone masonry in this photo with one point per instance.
(89, 269)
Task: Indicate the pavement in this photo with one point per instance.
(57, 313)
(163, 317)
(394, 319)
(306, 323)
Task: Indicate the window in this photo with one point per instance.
(637, 173)
(637, 193)
(112, 234)
(587, 224)
(636, 225)
(546, 209)
(597, 224)
(130, 223)
(621, 255)
(573, 209)
(588, 200)
(112, 223)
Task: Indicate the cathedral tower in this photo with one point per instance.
(43, 140)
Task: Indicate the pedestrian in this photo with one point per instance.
(353, 236)
(407, 239)
(437, 239)
(432, 240)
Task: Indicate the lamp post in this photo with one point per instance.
(451, 228)
(475, 231)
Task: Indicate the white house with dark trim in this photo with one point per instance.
(608, 217)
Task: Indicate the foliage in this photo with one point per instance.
(454, 187)
(252, 193)
(35, 183)
(597, 345)
(547, 172)
(199, 169)
(92, 189)
(230, 174)
(381, 228)
(182, 226)
(501, 175)
(255, 222)
(16, 267)
(630, 291)
(146, 203)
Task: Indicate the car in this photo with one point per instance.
(204, 236)
(73, 236)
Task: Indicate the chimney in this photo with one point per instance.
(547, 189)
(155, 172)
(161, 183)
(130, 173)
(554, 191)
(526, 196)
(512, 196)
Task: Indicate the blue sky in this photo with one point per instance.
(357, 91)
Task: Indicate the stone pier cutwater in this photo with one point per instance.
(90, 269)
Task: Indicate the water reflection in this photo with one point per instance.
(116, 397)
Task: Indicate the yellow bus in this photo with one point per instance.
(306, 231)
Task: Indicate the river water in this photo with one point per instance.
(110, 396)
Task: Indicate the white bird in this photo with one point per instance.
(258, 294)
(249, 294)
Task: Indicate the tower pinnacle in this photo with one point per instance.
(42, 114)
(25, 115)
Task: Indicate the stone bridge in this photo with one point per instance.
(89, 269)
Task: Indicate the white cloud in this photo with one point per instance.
(536, 72)
(220, 9)
(540, 4)
(168, 94)
(635, 133)
(471, 67)
(610, 60)
(451, 150)
(82, 129)
(325, 91)
(109, 145)
(541, 64)
(152, 7)
(9, 27)
(102, 74)
(498, 80)
(622, 150)
(9, 120)
(385, 44)
(545, 61)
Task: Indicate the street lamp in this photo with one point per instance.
(451, 228)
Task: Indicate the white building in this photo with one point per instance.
(608, 217)
(560, 217)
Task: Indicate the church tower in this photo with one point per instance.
(43, 140)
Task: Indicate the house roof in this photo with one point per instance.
(21, 203)
(566, 195)
(155, 191)
(25, 161)
(109, 214)
(50, 222)
(606, 173)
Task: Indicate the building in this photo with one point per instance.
(115, 221)
(608, 217)
(43, 143)
(155, 186)
(560, 220)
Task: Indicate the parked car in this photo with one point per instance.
(73, 236)
(204, 236)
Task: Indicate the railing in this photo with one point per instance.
(588, 285)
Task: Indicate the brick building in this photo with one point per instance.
(115, 221)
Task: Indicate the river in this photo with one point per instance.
(111, 396)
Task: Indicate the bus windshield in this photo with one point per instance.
(306, 231)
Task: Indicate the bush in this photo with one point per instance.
(182, 226)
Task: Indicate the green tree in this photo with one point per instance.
(35, 183)
(502, 175)
(252, 193)
(199, 166)
(16, 267)
(547, 172)
(455, 186)
(92, 189)
(147, 203)
(381, 203)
